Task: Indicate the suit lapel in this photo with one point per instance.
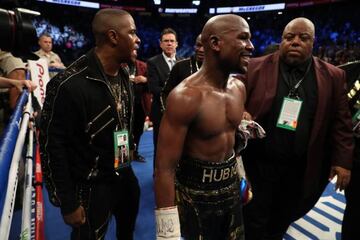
(271, 74)
(164, 67)
(323, 90)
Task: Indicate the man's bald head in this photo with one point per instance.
(297, 41)
(301, 21)
(198, 38)
(199, 49)
(105, 20)
(227, 44)
(221, 24)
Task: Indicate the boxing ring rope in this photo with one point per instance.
(28, 188)
(32, 222)
(7, 145)
(39, 202)
(8, 203)
(11, 150)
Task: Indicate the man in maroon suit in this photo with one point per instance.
(301, 102)
(139, 80)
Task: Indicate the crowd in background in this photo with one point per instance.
(337, 37)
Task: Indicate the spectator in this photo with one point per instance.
(19, 84)
(139, 81)
(159, 68)
(301, 102)
(183, 69)
(85, 122)
(12, 68)
(45, 51)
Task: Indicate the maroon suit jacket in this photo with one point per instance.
(332, 124)
(141, 89)
(141, 68)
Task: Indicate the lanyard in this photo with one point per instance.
(293, 93)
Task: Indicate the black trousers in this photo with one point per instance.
(139, 119)
(350, 226)
(276, 202)
(156, 119)
(118, 197)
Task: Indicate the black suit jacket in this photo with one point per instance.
(158, 72)
(179, 72)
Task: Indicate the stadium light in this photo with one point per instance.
(196, 2)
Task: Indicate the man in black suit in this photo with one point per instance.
(159, 67)
(183, 69)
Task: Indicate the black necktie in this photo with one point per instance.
(295, 77)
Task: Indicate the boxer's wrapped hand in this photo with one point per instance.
(247, 129)
(167, 223)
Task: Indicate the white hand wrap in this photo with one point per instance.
(240, 167)
(167, 223)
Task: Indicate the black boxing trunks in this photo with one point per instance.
(208, 199)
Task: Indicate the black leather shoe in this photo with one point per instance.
(139, 158)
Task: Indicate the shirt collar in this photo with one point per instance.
(42, 52)
(167, 58)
